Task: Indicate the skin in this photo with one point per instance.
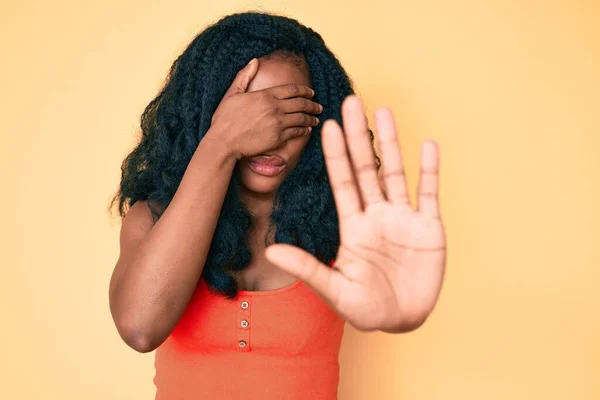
(257, 191)
(157, 271)
(389, 267)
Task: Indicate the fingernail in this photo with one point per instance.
(309, 128)
(317, 121)
(251, 61)
(312, 91)
(320, 108)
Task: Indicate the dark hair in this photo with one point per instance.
(175, 121)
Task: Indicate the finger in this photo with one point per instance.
(393, 172)
(243, 78)
(341, 179)
(295, 131)
(300, 104)
(298, 119)
(291, 90)
(324, 280)
(361, 150)
(427, 193)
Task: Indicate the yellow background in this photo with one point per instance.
(510, 89)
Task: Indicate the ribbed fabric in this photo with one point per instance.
(274, 344)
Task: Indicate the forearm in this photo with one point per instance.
(160, 279)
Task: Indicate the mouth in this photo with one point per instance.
(267, 165)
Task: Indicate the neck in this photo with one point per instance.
(260, 205)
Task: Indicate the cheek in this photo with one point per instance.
(296, 146)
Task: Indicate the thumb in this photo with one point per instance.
(243, 78)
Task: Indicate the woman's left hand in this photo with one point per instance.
(390, 265)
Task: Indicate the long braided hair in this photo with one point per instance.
(176, 120)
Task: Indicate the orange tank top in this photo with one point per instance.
(273, 344)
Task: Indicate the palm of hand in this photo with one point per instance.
(390, 265)
(392, 258)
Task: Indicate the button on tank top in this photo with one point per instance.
(273, 344)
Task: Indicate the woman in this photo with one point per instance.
(256, 227)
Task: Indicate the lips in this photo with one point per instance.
(274, 161)
(267, 165)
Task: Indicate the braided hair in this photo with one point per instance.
(175, 121)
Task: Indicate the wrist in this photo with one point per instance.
(214, 143)
(213, 150)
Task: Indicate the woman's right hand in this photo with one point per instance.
(251, 123)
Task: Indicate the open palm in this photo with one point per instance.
(390, 265)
